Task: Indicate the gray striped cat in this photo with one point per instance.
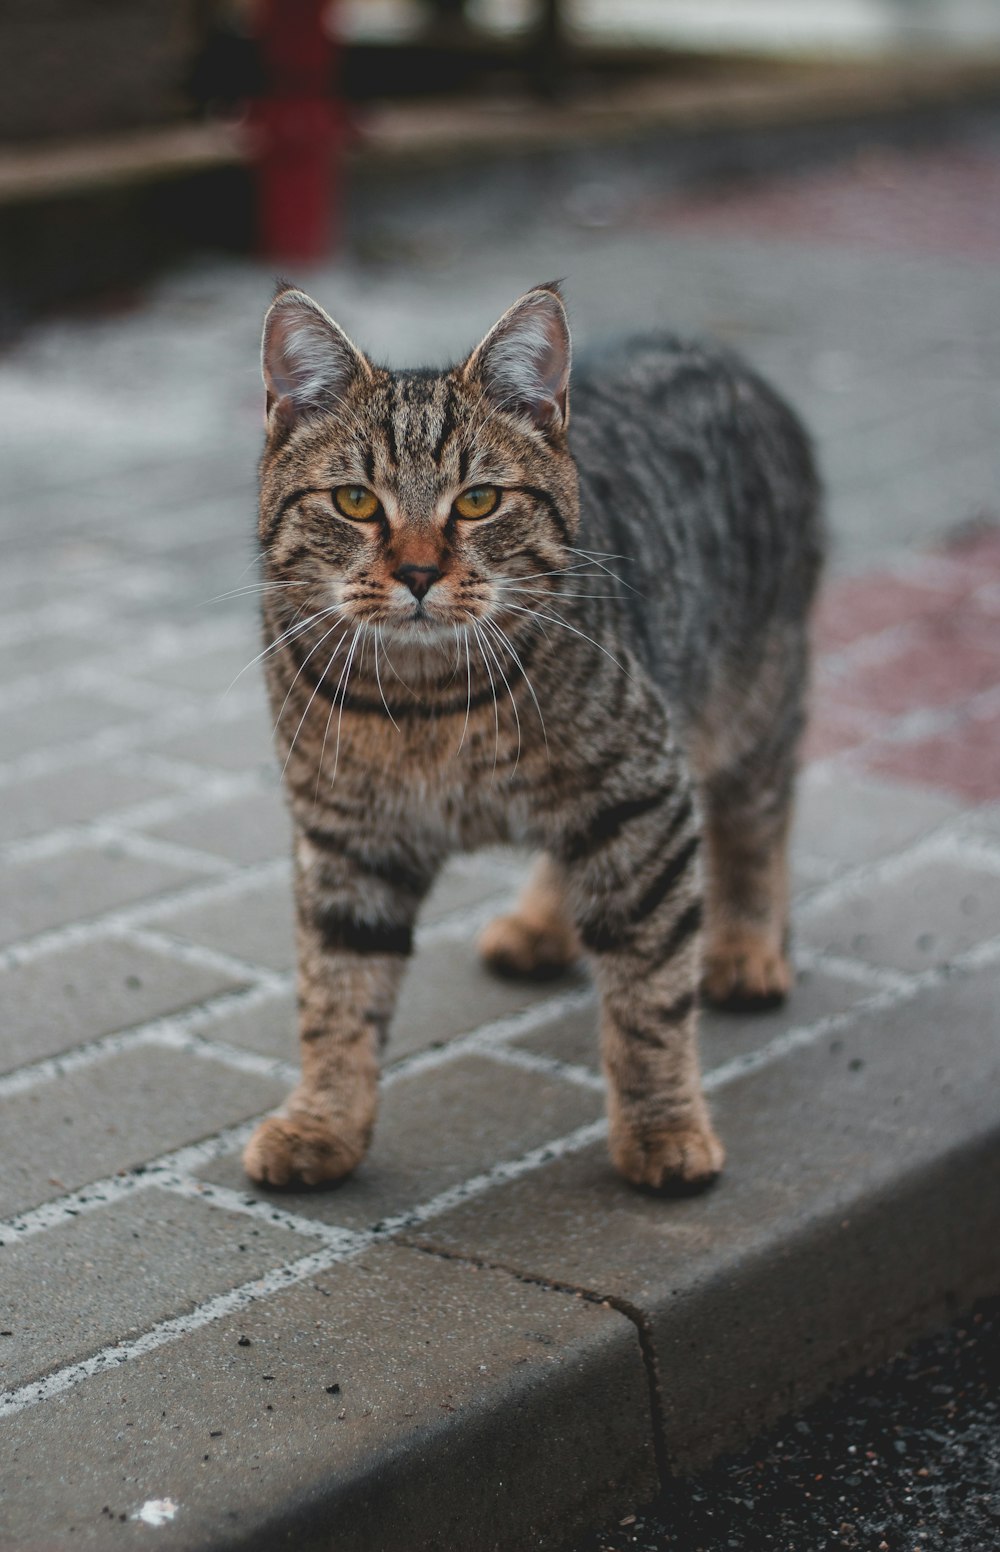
(489, 621)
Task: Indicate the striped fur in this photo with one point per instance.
(610, 667)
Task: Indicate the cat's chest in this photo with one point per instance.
(466, 781)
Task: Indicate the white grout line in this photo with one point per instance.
(945, 844)
(983, 956)
(498, 1031)
(103, 1193)
(462, 924)
(165, 1331)
(58, 619)
(352, 1244)
(263, 1210)
(286, 1276)
(193, 777)
(212, 891)
(847, 969)
(123, 738)
(202, 789)
(233, 1056)
(191, 953)
(546, 1066)
(167, 1031)
(151, 848)
(923, 722)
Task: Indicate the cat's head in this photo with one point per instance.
(417, 500)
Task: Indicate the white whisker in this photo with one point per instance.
(493, 653)
(493, 626)
(343, 697)
(555, 620)
(468, 695)
(496, 709)
(286, 636)
(316, 686)
(378, 681)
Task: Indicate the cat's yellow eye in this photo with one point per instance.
(480, 501)
(357, 502)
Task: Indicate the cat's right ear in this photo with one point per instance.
(307, 361)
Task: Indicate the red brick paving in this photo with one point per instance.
(921, 703)
(946, 202)
(964, 761)
(849, 611)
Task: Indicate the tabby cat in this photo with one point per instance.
(486, 623)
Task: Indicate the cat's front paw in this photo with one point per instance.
(679, 1161)
(298, 1147)
(515, 946)
(745, 973)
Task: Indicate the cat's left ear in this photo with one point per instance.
(523, 363)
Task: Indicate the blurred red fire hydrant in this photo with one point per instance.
(297, 130)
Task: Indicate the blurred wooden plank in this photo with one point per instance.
(34, 172)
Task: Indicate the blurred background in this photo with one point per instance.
(134, 133)
(815, 182)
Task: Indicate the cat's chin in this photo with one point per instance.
(418, 630)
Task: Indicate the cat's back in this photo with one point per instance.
(682, 438)
(696, 472)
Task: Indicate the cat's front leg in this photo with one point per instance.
(355, 906)
(634, 881)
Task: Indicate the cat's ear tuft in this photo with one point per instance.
(523, 363)
(307, 361)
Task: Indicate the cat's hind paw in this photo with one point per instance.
(673, 1162)
(298, 1149)
(745, 974)
(517, 947)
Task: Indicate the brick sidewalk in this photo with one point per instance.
(149, 1016)
(484, 1334)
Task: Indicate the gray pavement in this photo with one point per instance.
(484, 1340)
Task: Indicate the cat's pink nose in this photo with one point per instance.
(419, 579)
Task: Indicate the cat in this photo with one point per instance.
(449, 667)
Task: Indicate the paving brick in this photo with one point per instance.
(959, 423)
(834, 727)
(964, 760)
(78, 884)
(67, 797)
(252, 920)
(947, 660)
(986, 822)
(845, 820)
(268, 1027)
(447, 992)
(239, 745)
(912, 922)
(112, 1273)
(494, 873)
(859, 1191)
(45, 654)
(722, 1036)
(71, 995)
(436, 1130)
(213, 671)
(862, 606)
(247, 829)
(464, 1394)
(117, 1114)
(56, 719)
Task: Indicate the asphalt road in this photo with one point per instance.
(905, 1458)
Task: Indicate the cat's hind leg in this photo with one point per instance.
(538, 939)
(747, 821)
